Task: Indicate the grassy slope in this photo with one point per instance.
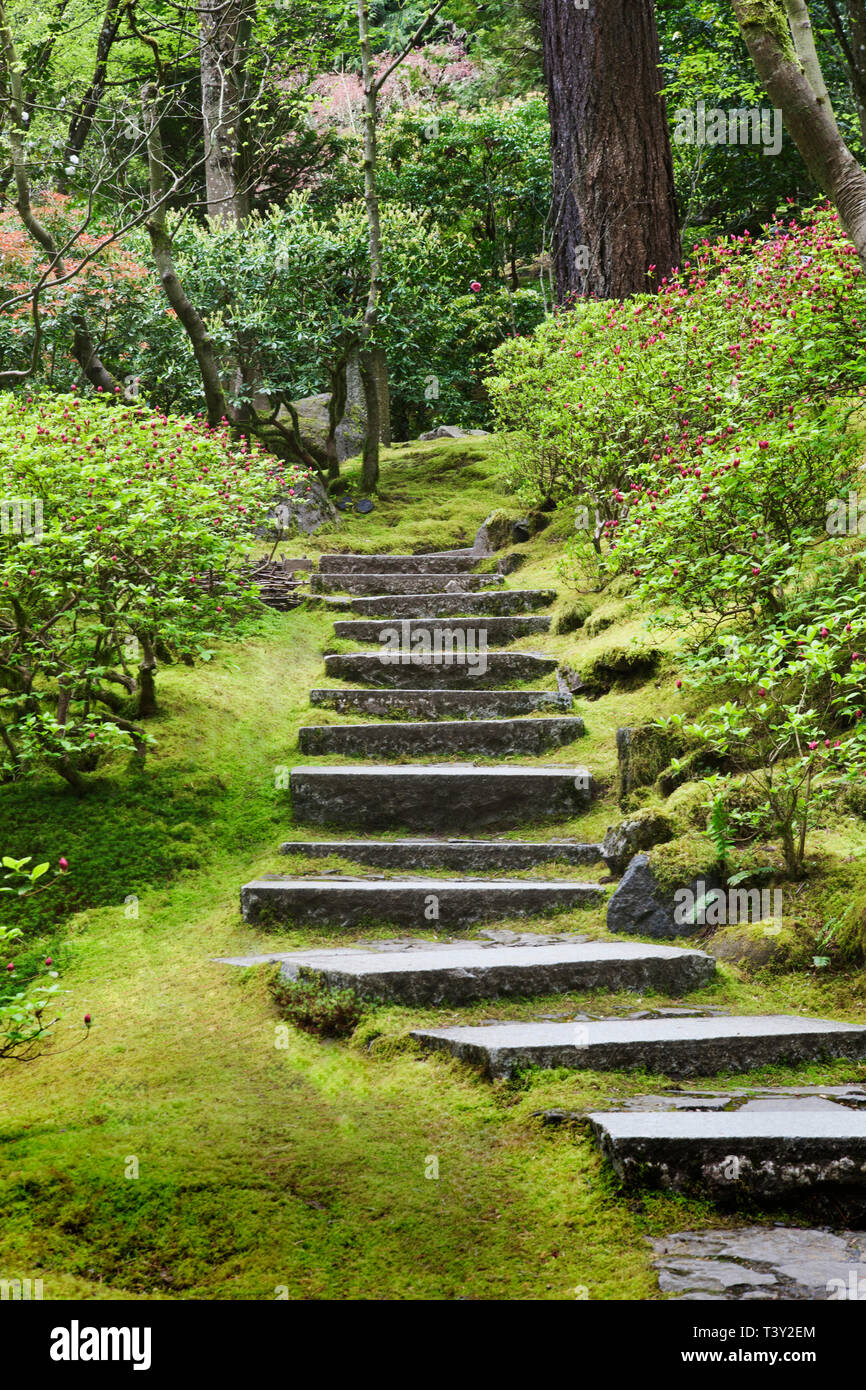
(263, 1168)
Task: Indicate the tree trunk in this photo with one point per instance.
(224, 24)
(191, 321)
(146, 679)
(614, 211)
(379, 364)
(810, 121)
(374, 242)
(82, 119)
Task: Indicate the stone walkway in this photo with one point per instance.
(442, 709)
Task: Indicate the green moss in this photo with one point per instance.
(683, 860)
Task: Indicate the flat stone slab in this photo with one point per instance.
(409, 902)
(437, 562)
(440, 796)
(442, 738)
(498, 631)
(372, 583)
(673, 1046)
(450, 670)
(752, 1098)
(461, 856)
(760, 1262)
(491, 603)
(759, 1153)
(442, 704)
(464, 971)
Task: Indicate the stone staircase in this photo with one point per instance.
(442, 710)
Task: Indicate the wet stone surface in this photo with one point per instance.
(762, 1262)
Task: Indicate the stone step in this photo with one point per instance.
(759, 1154)
(409, 670)
(491, 602)
(498, 631)
(376, 584)
(460, 856)
(670, 1046)
(441, 704)
(408, 902)
(440, 739)
(462, 971)
(435, 562)
(443, 796)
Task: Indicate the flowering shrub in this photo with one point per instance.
(616, 393)
(122, 542)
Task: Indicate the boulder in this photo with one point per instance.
(641, 906)
(452, 432)
(304, 512)
(639, 832)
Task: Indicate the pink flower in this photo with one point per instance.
(63, 863)
(475, 286)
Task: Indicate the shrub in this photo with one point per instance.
(125, 542)
(615, 393)
(312, 1006)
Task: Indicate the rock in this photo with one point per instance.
(640, 907)
(643, 752)
(305, 512)
(760, 1262)
(754, 944)
(572, 618)
(512, 562)
(639, 832)
(352, 429)
(447, 432)
(521, 531)
(493, 534)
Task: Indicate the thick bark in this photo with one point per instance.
(613, 213)
(146, 679)
(190, 319)
(810, 123)
(223, 38)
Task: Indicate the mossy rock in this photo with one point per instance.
(681, 861)
(698, 763)
(643, 752)
(755, 945)
(640, 831)
(572, 617)
(621, 665)
(688, 807)
(602, 618)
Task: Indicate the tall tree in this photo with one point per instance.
(783, 51)
(224, 42)
(613, 213)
